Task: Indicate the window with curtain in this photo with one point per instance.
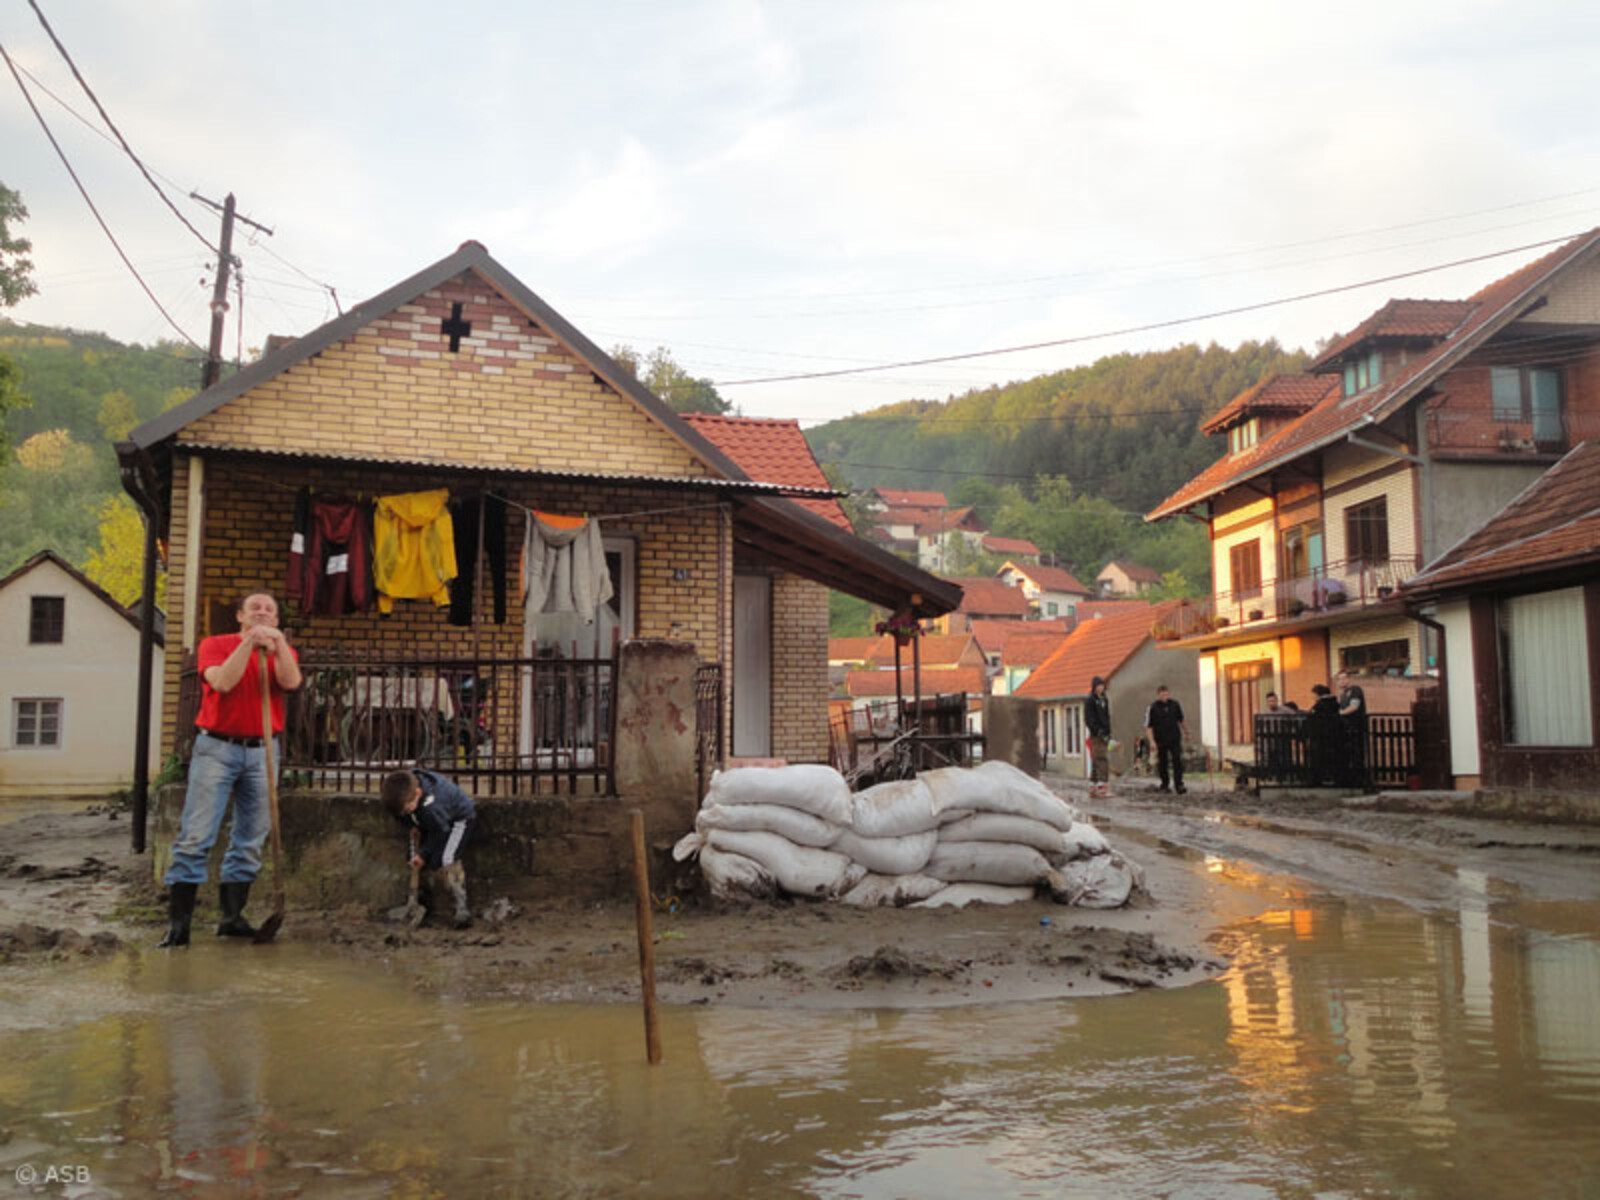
(1544, 669)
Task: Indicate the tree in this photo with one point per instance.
(117, 563)
(16, 268)
(55, 487)
(850, 616)
(854, 504)
(117, 417)
(680, 391)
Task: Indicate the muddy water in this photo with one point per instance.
(1353, 1050)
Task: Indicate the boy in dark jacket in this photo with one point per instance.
(443, 816)
(1097, 724)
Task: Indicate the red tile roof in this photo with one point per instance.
(937, 650)
(932, 520)
(1554, 523)
(994, 636)
(1135, 571)
(1336, 415)
(990, 597)
(1089, 610)
(1275, 394)
(771, 450)
(1032, 647)
(1051, 579)
(935, 681)
(899, 498)
(1005, 545)
(1401, 320)
(851, 649)
(1093, 648)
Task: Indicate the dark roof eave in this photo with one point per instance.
(938, 596)
(1418, 589)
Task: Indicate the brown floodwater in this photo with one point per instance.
(1353, 1049)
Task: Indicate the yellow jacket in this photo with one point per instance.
(413, 548)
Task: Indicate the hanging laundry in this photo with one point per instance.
(465, 515)
(414, 550)
(330, 556)
(564, 566)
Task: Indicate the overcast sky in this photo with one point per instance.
(772, 188)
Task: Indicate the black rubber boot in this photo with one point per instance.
(180, 911)
(231, 898)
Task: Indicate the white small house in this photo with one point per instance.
(71, 671)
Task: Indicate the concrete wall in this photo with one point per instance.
(1466, 495)
(93, 671)
(1461, 688)
(1133, 687)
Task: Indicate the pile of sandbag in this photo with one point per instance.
(948, 837)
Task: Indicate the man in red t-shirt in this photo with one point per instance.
(229, 759)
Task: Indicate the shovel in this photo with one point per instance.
(411, 912)
(269, 928)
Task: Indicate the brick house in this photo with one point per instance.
(1520, 603)
(720, 534)
(1402, 438)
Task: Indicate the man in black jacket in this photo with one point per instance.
(1097, 724)
(1163, 725)
(443, 815)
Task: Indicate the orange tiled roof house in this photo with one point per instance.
(1402, 438)
(721, 536)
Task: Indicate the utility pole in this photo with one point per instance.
(212, 371)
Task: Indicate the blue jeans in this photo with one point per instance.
(218, 769)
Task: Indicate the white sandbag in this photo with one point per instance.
(1104, 881)
(987, 862)
(810, 787)
(888, 855)
(997, 791)
(798, 826)
(799, 870)
(687, 847)
(893, 809)
(892, 891)
(1083, 840)
(959, 895)
(735, 877)
(1002, 827)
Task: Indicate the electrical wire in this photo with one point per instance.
(1154, 325)
(84, 192)
(111, 125)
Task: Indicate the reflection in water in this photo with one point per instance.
(1350, 1050)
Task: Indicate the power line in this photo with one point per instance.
(1168, 324)
(84, 192)
(111, 125)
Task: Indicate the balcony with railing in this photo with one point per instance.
(498, 726)
(1334, 589)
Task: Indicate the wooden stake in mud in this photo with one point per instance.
(647, 951)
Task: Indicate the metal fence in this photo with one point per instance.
(499, 726)
(1307, 750)
(888, 740)
(707, 724)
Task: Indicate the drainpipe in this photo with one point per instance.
(130, 459)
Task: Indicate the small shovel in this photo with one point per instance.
(411, 912)
(269, 928)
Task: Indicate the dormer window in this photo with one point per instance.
(1241, 437)
(1363, 373)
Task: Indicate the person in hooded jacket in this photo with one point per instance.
(1097, 725)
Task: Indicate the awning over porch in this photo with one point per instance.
(782, 534)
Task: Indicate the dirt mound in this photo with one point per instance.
(18, 940)
(890, 962)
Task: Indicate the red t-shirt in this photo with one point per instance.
(236, 713)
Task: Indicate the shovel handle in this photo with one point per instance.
(272, 777)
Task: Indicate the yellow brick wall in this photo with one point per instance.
(249, 511)
(1575, 300)
(512, 396)
(799, 669)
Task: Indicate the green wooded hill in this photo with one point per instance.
(1125, 428)
(1070, 460)
(83, 391)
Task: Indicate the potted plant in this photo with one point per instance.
(1296, 607)
(1222, 622)
(1256, 614)
(1335, 597)
(1385, 590)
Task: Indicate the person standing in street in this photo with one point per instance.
(1097, 725)
(1353, 719)
(1163, 725)
(229, 760)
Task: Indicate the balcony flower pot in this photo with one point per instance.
(1256, 614)
(1222, 622)
(1385, 591)
(1296, 607)
(1334, 599)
